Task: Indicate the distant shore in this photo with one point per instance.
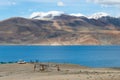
(54, 45)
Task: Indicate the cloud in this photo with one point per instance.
(106, 2)
(7, 3)
(14, 2)
(60, 3)
(38, 1)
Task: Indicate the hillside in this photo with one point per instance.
(61, 30)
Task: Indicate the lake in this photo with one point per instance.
(93, 56)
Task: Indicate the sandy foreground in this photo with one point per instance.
(67, 72)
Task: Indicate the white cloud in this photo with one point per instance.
(60, 3)
(38, 1)
(106, 2)
(7, 3)
(14, 2)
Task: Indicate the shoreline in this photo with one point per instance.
(67, 72)
(64, 63)
(52, 45)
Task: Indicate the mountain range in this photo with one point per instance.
(61, 29)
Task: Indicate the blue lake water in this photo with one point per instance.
(93, 56)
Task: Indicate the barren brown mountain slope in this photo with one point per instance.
(62, 30)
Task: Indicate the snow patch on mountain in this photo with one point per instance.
(77, 14)
(98, 15)
(45, 15)
(51, 14)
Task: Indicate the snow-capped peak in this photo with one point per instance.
(45, 15)
(98, 15)
(77, 15)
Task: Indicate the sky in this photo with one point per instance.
(24, 8)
